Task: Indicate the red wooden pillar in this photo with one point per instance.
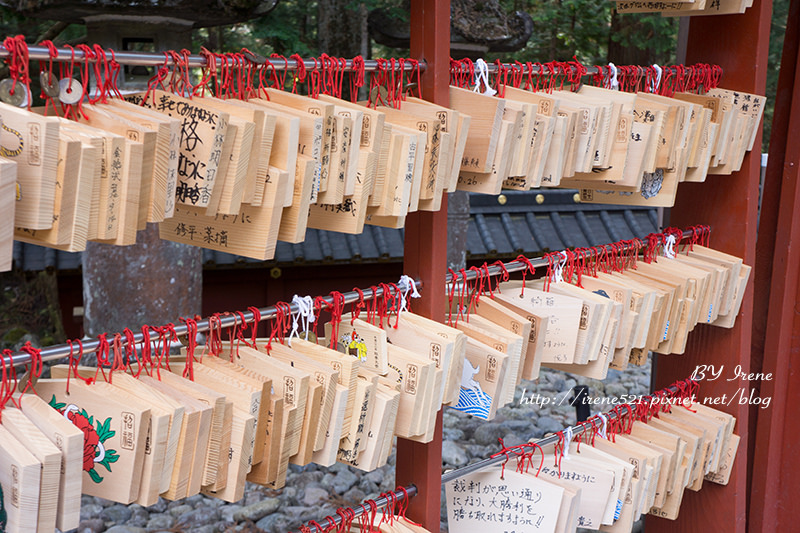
(426, 258)
(776, 328)
(739, 44)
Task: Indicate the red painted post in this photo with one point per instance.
(426, 258)
(776, 328)
(739, 44)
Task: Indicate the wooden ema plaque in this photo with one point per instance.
(200, 159)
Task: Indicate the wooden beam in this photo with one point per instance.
(426, 258)
(739, 44)
(776, 325)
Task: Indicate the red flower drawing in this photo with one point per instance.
(90, 438)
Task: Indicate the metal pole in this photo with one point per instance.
(550, 439)
(154, 59)
(383, 501)
(226, 321)
(491, 461)
(63, 350)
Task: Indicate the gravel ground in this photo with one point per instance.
(313, 492)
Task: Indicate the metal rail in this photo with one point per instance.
(490, 461)
(155, 59)
(91, 345)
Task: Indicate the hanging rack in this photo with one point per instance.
(538, 68)
(226, 321)
(451, 475)
(154, 59)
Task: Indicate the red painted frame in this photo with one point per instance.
(739, 43)
(426, 258)
(729, 204)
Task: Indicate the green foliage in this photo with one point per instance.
(291, 28)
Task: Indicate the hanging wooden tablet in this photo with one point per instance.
(20, 474)
(598, 122)
(708, 436)
(326, 456)
(104, 212)
(645, 298)
(292, 385)
(69, 441)
(317, 404)
(722, 474)
(571, 141)
(344, 365)
(448, 334)
(236, 174)
(261, 147)
(414, 376)
(310, 138)
(354, 136)
(432, 178)
(654, 461)
(256, 403)
(128, 190)
(243, 428)
(552, 171)
(621, 470)
(202, 159)
(672, 502)
(363, 341)
(143, 166)
(50, 458)
(129, 389)
(621, 104)
(340, 144)
(636, 486)
(391, 193)
(114, 434)
(8, 182)
(518, 165)
(595, 313)
(269, 422)
(486, 115)
(383, 161)
(455, 124)
(371, 138)
(161, 203)
(207, 452)
(692, 452)
(32, 142)
(424, 340)
(193, 415)
(352, 441)
(161, 443)
(385, 398)
(564, 315)
(666, 444)
(285, 143)
(432, 408)
(238, 434)
(267, 470)
(68, 186)
(482, 330)
(469, 511)
(377, 451)
(316, 108)
(517, 324)
(491, 182)
(481, 381)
